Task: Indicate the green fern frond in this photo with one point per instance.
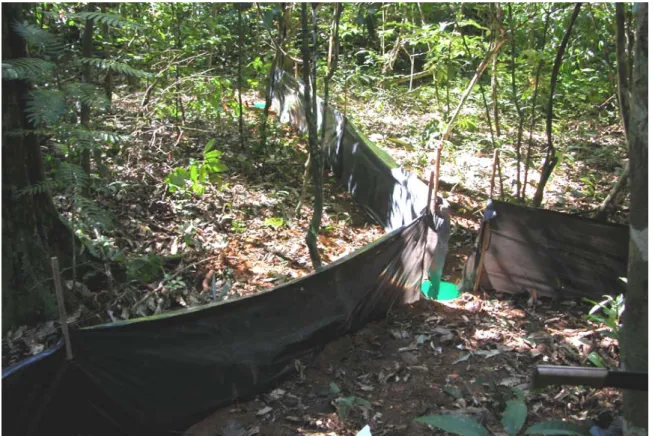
(45, 106)
(98, 135)
(17, 133)
(85, 143)
(105, 18)
(71, 176)
(88, 94)
(110, 137)
(26, 69)
(116, 67)
(37, 37)
(92, 214)
(39, 188)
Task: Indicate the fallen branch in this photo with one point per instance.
(610, 200)
(169, 278)
(403, 79)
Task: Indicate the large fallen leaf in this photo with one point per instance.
(558, 428)
(461, 425)
(514, 416)
(462, 358)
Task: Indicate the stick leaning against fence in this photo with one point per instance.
(478, 73)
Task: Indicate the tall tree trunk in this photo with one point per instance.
(332, 60)
(533, 118)
(495, 11)
(634, 334)
(32, 229)
(450, 43)
(309, 77)
(623, 93)
(179, 104)
(239, 76)
(109, 77)
(631, 42)
(551, 159)
(519, 111)
(85, 113)
(622, 68)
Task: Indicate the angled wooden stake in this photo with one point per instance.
(430, 188)
(436, 179)
(493, 174)
(486, 234)
(63, 319)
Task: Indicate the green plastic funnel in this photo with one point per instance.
(446, 291)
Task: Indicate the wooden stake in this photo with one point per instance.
(493, 174)
(486, 235)
(63, 319)
(437, 170)
(430, 187)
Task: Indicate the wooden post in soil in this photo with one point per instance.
(430, 187)
(437, 172)
(486, 235)
(63, 319)
(493, 174)
(486, 232)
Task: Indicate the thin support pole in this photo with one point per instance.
(486, 235)
(63, 319)
(436, 179)
(430, 188)
(493, 174)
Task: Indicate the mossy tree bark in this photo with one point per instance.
(32, 229)
(634, 334)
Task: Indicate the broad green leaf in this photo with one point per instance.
(596, 360)
(362, 402)
(214, 178)
(520, 395)
(334, 388)
(453, 391)
(202, 176)
(217, 167)
(558, 428)
(212, 155)
(209, 146)
(193, 173)
(461, 425)
(514, 416)
(275, 222)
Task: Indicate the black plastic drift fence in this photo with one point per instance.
(160, 374)
(557, 255)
